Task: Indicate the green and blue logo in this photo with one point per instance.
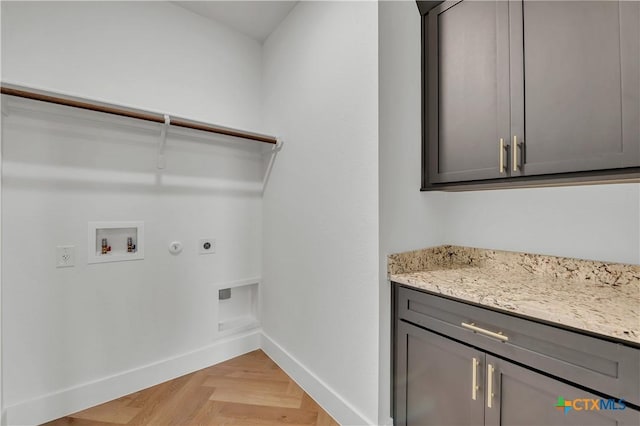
(589, 404)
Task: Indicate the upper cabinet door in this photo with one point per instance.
(468, 90)
(575, 87)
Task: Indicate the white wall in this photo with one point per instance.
(320, 256)
(149, 55)
(408, 219)
(67, 328)
(600, 222)
(593, 222)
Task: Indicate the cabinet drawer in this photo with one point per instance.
(607, 367)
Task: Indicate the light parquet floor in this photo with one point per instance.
(248, 390)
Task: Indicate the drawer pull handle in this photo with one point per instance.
(515, 147)
(474, 380)
(490, 371)
(477, 329)
(503, 169)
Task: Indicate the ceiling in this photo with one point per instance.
(257, 19)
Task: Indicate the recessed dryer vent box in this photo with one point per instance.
(115, 241)
(239, 311)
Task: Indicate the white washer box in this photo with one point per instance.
(117, 234)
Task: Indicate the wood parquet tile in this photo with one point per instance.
(250, 390)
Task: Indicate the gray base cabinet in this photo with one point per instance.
(434, 380)
(440, 380)
(523, 397)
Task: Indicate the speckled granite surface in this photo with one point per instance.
(599, 297)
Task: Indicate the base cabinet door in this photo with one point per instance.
(434, 379)
(525, 397)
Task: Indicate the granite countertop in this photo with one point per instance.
(597, 297)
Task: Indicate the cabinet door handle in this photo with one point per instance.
(474, 380)
(515, 147)
(490, 371)
(503, 169)
(477, 329)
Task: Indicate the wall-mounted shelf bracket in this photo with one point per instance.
(163, 142)
(273, 151)
(5, 107)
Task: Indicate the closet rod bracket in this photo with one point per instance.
(276, 147)
(163, 142)
(5, 107)
(273, 151)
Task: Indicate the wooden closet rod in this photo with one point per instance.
(24, 92)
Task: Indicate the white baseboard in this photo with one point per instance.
(59, 404)
(334, 404)
(67, 401)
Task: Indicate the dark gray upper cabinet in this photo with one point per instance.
(469, 89)
(578, 107)
(531, 88)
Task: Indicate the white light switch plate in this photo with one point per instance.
(65, 256)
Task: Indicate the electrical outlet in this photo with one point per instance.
(65, 256)
(207, 246)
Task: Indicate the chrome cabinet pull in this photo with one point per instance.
(474, 380)
(477, 329)
(490, 371)
(515, 147)
(503, 169)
